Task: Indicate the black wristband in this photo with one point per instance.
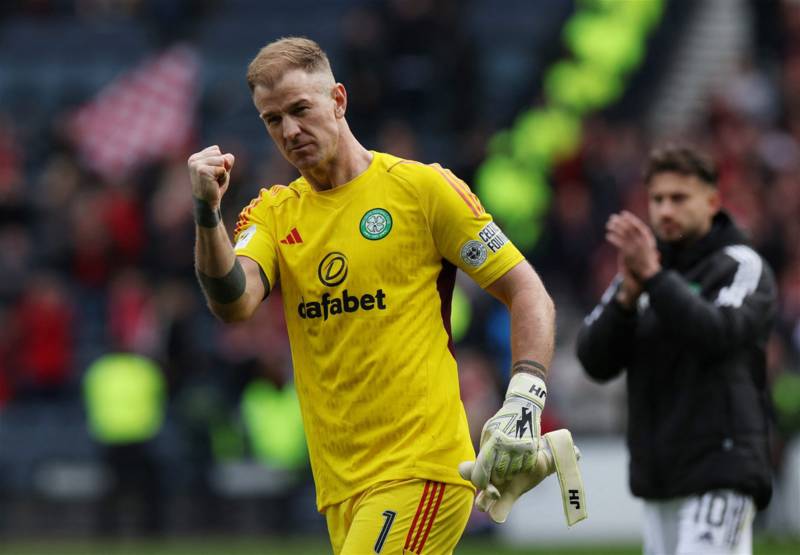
(204, 216)
(531, 367)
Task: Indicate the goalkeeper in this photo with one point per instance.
(365, 247)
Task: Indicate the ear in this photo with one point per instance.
(339, 95)
(714, 200)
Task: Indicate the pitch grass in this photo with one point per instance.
(222, 546)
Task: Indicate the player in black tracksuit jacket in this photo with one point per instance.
(692, 344)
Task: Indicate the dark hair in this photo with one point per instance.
(683, 160)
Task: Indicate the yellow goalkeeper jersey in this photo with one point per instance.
(366, 273)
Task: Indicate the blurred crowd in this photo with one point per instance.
(92, 266)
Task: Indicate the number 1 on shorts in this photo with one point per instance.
(387, 525)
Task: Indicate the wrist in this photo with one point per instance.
(626, 299)
(205, 215)
(528, 387)
(653, 278)
(530, 367)
(650, 266)
(649, 273)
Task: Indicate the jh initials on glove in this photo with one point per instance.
(557, 455)
(511, 439)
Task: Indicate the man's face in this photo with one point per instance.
(301, 112)
(681, 207)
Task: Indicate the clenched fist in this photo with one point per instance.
(209, 172)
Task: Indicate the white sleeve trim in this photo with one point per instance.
(748, 274)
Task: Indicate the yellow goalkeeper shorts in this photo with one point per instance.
(401, 517)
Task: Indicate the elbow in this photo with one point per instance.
(230, 313)
(549, 307)
(229, 317)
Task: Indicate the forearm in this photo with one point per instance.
(220, 274)
(532, 329)
(511, 439)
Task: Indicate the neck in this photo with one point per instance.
(689, 241)
(350, 161)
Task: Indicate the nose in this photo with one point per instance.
(666, 209)
(290, 128)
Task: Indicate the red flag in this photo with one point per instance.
(143, 115)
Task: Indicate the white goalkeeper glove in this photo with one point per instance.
(510, 440)
(558, 454)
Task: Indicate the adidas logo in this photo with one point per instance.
(292, 238)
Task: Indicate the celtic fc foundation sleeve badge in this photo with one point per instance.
(376, 224)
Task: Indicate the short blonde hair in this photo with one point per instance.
(285, 54)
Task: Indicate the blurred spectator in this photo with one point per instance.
(132, 318)
(16, 259)
(170, 228)
(124, 222)
(180, 326)
(91, 260)
(57, 188)
(41, 340)
(124, 395)
(271, 414)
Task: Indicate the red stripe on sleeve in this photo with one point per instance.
(245, 213)
(464, 195)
